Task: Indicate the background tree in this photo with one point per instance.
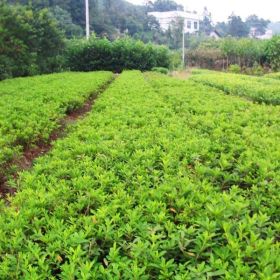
(206, 25)
(236, 27)
(222, 28)
(65, 22)
(164, 6)
(259, 24)
(272, 51)
(30, 42)
(175, 33)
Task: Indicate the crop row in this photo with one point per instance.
(258, 89)
(164, 179)
(273, 76)
(31, 107)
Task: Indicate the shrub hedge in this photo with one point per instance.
(101, 54)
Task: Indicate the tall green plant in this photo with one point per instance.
(272, 51)
(30, 42)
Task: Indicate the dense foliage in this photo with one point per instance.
(258, 89)
(235, 26)
(164, 6)
(275, 75)
(107, 18)
(221, 54)
(30, 42)
(101, 54)
(30, 108)
(273, 52)
(165, 179)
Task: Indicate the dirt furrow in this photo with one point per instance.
(31, 153)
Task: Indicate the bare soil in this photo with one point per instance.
(183, 74)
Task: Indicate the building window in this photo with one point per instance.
(189, 24)
(195, 25)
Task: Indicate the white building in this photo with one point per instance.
(268, 35)
(165, 19)
(214, 35)
(255, 34)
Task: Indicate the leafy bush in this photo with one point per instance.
(256, 70)
(175, 60)
(273, 52)
(160, 70)
(205, 58)
(30, 42)
(101, 54)
(225, 52)
(234, 69)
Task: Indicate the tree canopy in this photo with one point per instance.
(30, 41)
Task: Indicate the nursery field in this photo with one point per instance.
(163, 179)
(258, 89)
(30, 108)
(273, 75)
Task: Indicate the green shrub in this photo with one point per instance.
(175, 60)
(273, 52)
(205, 58)
(101, 54)
(30, 42)
(161, 70)
(234, 69)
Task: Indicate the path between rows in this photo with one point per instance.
(31, 153)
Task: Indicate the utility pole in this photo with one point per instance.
(87, 19)
(183, 45)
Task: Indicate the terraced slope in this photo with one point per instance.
(165, 179)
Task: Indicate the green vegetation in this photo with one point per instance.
(234, 68)
(30, 108)
(273, 53)
(275, 75)
(221, 54)
(35, 39)
(97, 54)
(161, 70)
(258, 89)
(164, 179)
(30, 42)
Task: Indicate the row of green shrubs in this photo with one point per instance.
(245, 52)
(101, 54)
(255, 70)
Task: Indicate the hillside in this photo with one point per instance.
(107, 17)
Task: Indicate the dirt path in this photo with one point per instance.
(33, 152)
(183, 74)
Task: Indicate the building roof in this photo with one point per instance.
(175, 14)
